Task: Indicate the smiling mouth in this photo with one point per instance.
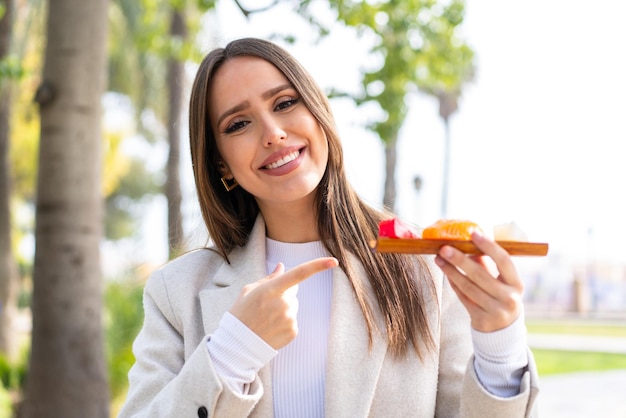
(282, 161)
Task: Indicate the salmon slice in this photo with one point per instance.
(456, 229)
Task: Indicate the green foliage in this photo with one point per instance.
(6, 403)
(11, 68)
(205, 5)
(12, 379)
(24, 134)
(123, 205)
(136, 31)
(127, 184)
(22, 71)
(419, 49)
(140, 45)
(123, 319)
(13, 373)
(450, 61)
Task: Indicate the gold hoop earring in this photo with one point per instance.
(229, 186)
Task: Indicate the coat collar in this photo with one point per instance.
(352, 367)
(247, 263)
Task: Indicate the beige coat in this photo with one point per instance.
(185, 300)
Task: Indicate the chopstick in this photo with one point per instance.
(432, 246)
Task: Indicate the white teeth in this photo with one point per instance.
(283, 161)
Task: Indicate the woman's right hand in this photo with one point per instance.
(269, 307)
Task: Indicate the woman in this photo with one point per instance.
(289, 314)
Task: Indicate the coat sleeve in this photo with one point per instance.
(476, 401)
(163, 383)
(460, 393)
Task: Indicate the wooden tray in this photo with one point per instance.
(432, 246)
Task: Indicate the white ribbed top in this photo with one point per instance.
(299, 369)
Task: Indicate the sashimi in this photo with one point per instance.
(455, 229)
(395, 228)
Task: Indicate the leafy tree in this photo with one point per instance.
(451, 67)
(136, 69)
(419, 49)
(67, 374)
(162, 37)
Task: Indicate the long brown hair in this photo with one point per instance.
(402, 284)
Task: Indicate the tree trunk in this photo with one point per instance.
(448, 104)
(445, 182)
(9, 283)
(175, 81)
(389, 197)
(67, 371)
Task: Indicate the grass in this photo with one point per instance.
(576, 328)
(560, 361)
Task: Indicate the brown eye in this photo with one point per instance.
(235, 126)
(285, 104)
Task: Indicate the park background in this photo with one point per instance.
(537, 139)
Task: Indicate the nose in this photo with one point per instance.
(273, 132)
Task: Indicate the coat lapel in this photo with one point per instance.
(247, 265)
(353, 369)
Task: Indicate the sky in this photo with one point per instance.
(539, 138)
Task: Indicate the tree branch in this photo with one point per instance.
(248, 12)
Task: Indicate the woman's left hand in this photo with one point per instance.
(493, 300)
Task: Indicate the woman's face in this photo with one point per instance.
(269, 141)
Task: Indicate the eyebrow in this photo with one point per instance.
(243, 105)
(275, 90)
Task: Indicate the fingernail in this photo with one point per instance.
(477, 236)
(439, 261)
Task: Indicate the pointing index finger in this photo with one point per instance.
(302, 272)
